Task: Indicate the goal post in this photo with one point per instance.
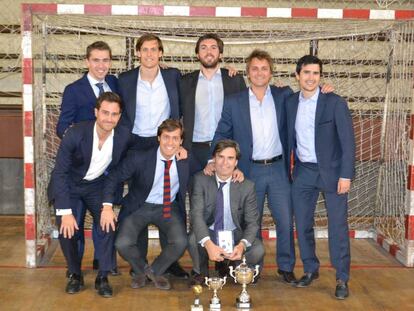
(368, 55)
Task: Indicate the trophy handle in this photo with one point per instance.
(206, 281)
(256, 272)
(224, 282)
(231, 272)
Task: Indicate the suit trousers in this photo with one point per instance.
(200, 154)
(254, 254)
(132, 226)
(271, 180)
(307, 183)
(87, 195)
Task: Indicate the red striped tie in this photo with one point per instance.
(166, 211)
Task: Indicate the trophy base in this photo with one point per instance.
(215, 307)
(243, 305)
(196, 308)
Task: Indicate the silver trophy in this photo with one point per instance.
(244, 275)
(197, 290)
(215, 284)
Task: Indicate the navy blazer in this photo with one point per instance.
(74, 157)
(140, 167)
(188, 87)
(334, 137)
(79, 101)
(235, 123)
(128, 90)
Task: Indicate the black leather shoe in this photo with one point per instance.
(341, 291)
(115, 272)
(287, 277)
(75, 283)
(177, 271)
(222, 267)
(196, 279)
(95, 264)
(103, 287)
(138, 281)
(307, 279)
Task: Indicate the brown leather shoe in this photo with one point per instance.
(138, 281)
(160, 281)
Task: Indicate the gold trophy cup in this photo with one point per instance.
(215, 284)
(197, 290)
(244, 275)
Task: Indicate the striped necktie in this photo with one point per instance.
(100, 87)
(166, 211)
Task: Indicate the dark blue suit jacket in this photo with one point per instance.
(140, 167)
(334, 137)
(79, 101)
(235, 123)
(74, 157)
(128, 90)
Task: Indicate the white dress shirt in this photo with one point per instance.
(153, 106)
(95, 89)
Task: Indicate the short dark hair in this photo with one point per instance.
(210, 36)
(98, 45)
(109, 97)
(308, 60)
(149, 37)
(259, 54)
(227, 143)
(170, 125)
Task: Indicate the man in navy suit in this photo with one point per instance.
(202, 94)
(150, 95)
(78, 104)
(320, 133)
(255, 118)
(86, 154)
(156, 195)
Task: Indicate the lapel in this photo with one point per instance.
(131, 89)
(294, 108)
(149, 171)
(192, 87)
(168, 84)
(234, 202)
(181, 176)
(86, 143)
(116, 146)
(212, 188)
(278, 107)
(320, 108)
(87, 89)
(226, 81)
(244, 106)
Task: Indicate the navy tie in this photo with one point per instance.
(100, 87)
(219, 215)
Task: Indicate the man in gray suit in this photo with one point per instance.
(220, 207)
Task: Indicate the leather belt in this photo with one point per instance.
(202, 143)
(268, 161)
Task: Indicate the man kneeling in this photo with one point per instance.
(156, 196)
(222, 208)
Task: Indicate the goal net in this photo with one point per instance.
(370, 64)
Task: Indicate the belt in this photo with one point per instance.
(268, 161)
(202, 143)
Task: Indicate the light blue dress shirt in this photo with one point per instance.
(266, 140)
(208, 106)
(95, 89)
(305, 128)
(156, 195)
(153, 106)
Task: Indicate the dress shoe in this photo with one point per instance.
(196, 279)
(139, 281)
(95, 264)
(160, 281)
(341, 291)
(103, 287)
(287, 276)
(177, 271)
(307, 279)
(115, 272)
(75, 283)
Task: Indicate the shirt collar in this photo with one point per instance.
(216, 74)
(218, 180)
(162, 158)
(313, 98)
(156, 78)
(251, 94)
(92, 80)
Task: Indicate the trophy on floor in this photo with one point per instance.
(244, 275)
(197, 290)
(215, 284)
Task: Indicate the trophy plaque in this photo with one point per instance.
(244, 275)
(215, 283)
(197, 290)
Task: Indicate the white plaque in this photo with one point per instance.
(225, 240)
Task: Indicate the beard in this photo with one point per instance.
(212, 64)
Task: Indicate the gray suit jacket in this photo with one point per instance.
(242, 203)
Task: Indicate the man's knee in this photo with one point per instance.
(256, 253)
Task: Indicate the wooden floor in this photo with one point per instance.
(378, 282)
